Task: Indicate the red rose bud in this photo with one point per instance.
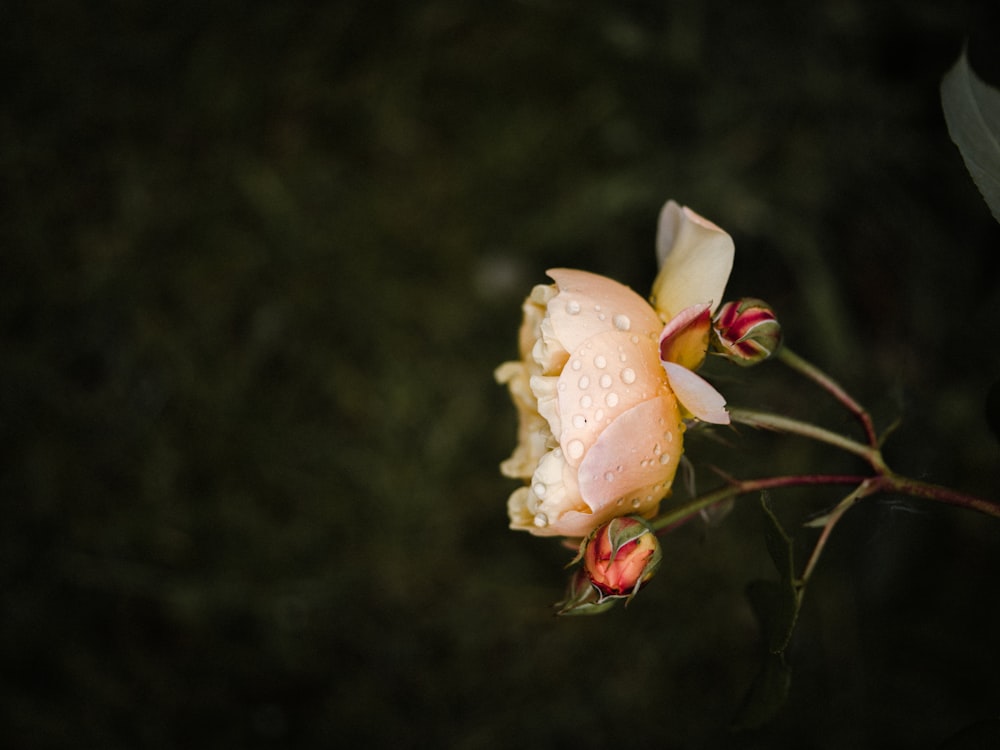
(746, 331)
(620, 556)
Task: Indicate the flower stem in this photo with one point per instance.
(742, 487)
(828, 384)
(779, 423)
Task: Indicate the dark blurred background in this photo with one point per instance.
(259, 261)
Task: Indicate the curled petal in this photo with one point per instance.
(602, 380)
(695, 257)
(631, 466)
(589, 304)
(696, 394)
(684, 339)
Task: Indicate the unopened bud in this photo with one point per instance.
(620, 556)
(746, 331)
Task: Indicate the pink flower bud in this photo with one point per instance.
(746, 331)
(620, 556)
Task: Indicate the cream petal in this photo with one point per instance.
(544, 389)
(589, 304)
(696, 394)
(534, 312)
(696, 258)
(534, 435)
(631, 466)
(552, 492)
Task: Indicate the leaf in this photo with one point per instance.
(776, 606)
(972, 111)
(783, 609)
(767, 694)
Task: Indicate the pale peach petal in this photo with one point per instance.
(631, 466)
(605, 377)
(696, 394)
(589, 304)
(696, 258)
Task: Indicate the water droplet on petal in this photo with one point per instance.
(628, 376)
(575, 449)
(573, 307)
(609, 477)
(636, 503)
(539, 489)
(622, 322)
(576, 364)
(584, 382)
(541, 520)
(606, 381)
(600, 362)
(665, 458)
(579, 421)
(586, 402)
(611, 400)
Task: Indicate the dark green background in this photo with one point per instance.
(258, 263)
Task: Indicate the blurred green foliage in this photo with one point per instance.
(258, 262)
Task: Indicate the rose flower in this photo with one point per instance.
(603, 386)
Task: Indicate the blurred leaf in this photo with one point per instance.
(972, 111)
(782, 611)
(776, 606)
(767, 694)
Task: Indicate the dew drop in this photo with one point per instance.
(600, 362)
(579, 421)
(622, 323)
(584, 382)
(605, 381)
(599, 415)
(664, 458)
(541, 520)
(586, 401)
(628, 376)
(611, 400)
(576, 364)
(636, 503)
(609, 476)
(573, 307)
(575, 449)
(539, 489)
